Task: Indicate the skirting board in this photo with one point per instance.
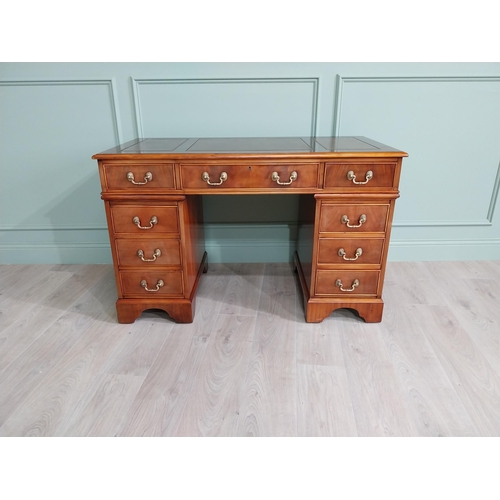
(442, 250)
(98, 253)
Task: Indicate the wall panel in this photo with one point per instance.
(54, 116)
(237, 107)
(49, 129)
(450, 126)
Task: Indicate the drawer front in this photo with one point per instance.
(286, 176)
(350, 251)
(151, 283)
(139, 176)
(353, 218)
(347, 283)
(359, 175)
(148, 252)
(145, 220)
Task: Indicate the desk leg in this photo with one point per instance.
(370, 311)
(128, 310)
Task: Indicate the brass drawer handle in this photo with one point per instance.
(352, 177)
(152, 222)
(206, 178)
(147, 178)
(354, 285)
(156, 254)
(159, 284)
(276, 178)
(341, 253)
(361, 221)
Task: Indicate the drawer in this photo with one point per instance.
(350, 251)
(145, 220)
(291, 176)
(347, 283)
(356, 218)
(151, 283)
(139, 176)
(359, 175)
(148, 252)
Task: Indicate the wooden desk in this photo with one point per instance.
(152, 194)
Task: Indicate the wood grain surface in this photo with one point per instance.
(249, 365)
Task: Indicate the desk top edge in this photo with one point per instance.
(320, 147)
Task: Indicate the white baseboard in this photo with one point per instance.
(442, 250)
(67, 253)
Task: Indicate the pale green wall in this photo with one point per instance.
(54, 116)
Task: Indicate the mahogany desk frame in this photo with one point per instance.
(152, 192)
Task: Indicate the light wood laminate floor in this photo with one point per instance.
(249, 365)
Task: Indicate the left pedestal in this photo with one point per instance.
(157, 243)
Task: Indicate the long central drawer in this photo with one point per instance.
(271, 176)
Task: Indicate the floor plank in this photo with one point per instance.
(27, 372)
(14, 306)
(249, 365)
(433, 402)
(159, 405)
(324, 400)
(475, 303)
(214, 402)
(324, 405)
(139, 349)
(270, 394)
(36, 320)
(22, 281)
(380, 408)
(102, 411)
(64, 387)
(475, 381)
(242, 296)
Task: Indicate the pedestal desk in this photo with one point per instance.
(152, 191)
